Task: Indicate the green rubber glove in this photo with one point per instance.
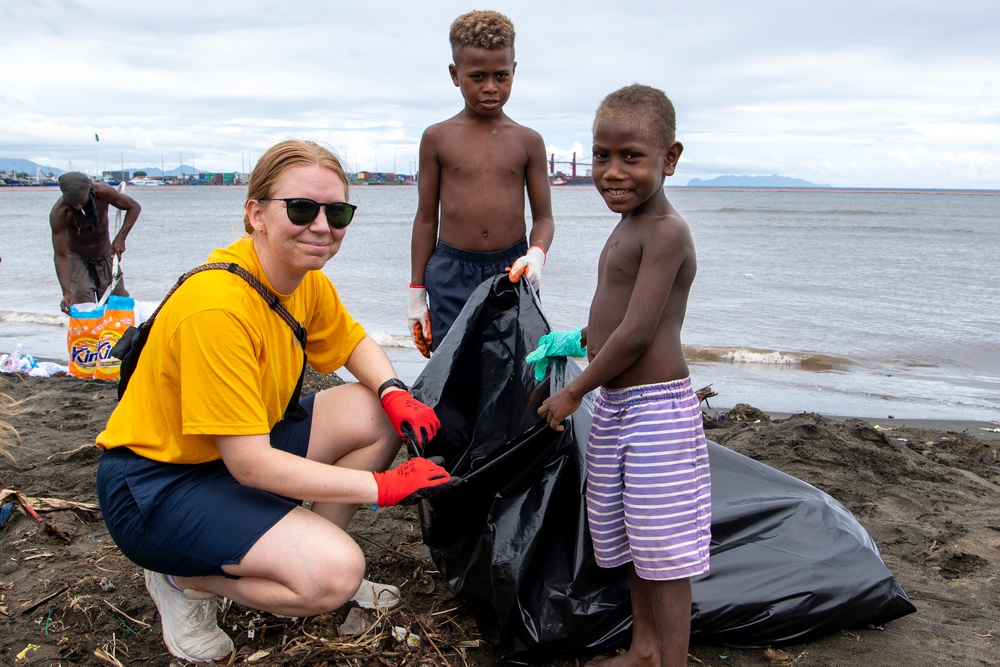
(555, 344)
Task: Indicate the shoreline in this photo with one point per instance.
(983, 430)
(925, 497)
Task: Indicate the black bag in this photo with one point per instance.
(129, 347)
(788, 562)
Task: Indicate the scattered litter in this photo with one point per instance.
(24, 652)
(991, 430)
(6, 511)
(23, 500)
(884, 428)
(258, 655)
(107, 585)
(401, 634)
(18, 362)
(355, 623)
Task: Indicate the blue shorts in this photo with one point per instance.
(453, 274)
(649, 485)
(190, 520)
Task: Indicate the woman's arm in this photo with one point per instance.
(254, 463)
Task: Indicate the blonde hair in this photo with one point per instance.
(485, 29)
(647, 111)
(284, 156)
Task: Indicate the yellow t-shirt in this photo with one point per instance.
(219, 361)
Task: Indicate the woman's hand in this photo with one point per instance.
(406, 483)
(410, 417)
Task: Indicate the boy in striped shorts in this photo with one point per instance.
(648, 482)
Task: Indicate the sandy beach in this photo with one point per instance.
(926, 491)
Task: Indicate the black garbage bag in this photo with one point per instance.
(788, 562)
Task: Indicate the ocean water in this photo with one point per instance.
(841, 302)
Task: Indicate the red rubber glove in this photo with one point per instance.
(404, 483)
(410, 417)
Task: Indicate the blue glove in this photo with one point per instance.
(555, 344)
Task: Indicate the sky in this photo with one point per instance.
(879, 93)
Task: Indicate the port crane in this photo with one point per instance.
(553, 162)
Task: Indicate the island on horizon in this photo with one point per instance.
(772, 181)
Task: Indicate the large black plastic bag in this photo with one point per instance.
(788, 562)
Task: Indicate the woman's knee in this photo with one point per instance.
(350, 417)
(333, 583)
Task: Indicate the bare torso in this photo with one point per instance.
(645, 274)
(82, 241)
(483, 167)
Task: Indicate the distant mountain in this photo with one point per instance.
(28, 167)
(176, 171)
(773, 181)
(11, 165)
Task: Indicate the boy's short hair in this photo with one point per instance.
(647, 110)
(485, 29)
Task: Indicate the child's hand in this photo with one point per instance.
(557, 408)
(420, 320)
(529, 265)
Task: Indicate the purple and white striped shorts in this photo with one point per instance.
(648, 482)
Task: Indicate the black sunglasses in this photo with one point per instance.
(303, 211)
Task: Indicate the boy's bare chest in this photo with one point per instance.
(485, 154)
(621, 255)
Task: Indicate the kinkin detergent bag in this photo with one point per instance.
(93, 331)
(119, 315)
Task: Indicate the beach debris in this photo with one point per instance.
(991, 430)
(61, 534)
(357, 622)
(24, 652)
(742, 412)
(34, 505)
(401, 634)
(6, 512)
(19, 362)
(779, 657)
(35, 604)
(106, 585)
(705, 393)
(21, 499)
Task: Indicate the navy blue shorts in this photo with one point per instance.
(453, 274)
(190, 520)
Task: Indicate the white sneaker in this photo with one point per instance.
(188, 617)
(376, 596)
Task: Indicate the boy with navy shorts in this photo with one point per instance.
(475, 168)
(648, 482)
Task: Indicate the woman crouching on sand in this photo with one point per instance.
(202, 478)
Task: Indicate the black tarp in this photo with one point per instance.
(788, 562)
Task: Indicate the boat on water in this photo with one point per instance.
(145, 182)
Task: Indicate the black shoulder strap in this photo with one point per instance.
(293, 410)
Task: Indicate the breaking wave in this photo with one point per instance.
(743, 355)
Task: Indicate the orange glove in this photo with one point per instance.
(406, 483)
(420, 320)
(529, 265)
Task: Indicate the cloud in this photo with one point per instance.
(852, 94)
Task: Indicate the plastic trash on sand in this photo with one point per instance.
(19, 362)
(788, 562)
